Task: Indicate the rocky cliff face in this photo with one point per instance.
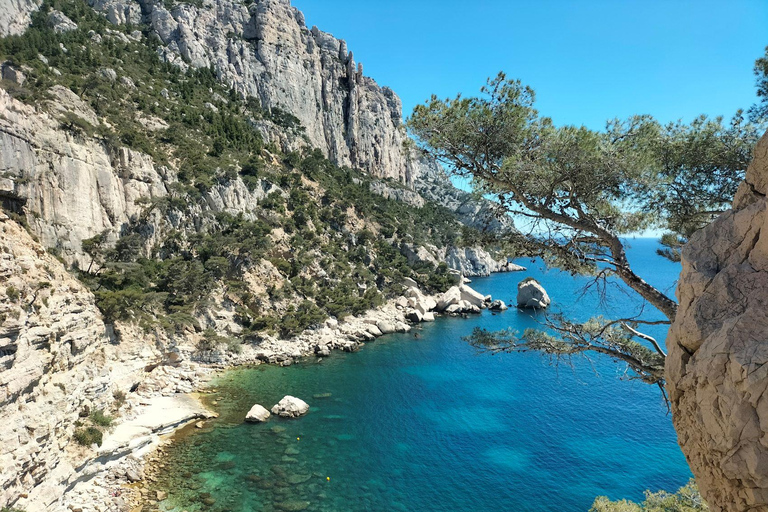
(717, 376)
(54, 358)
(15, 16)
(266, 51)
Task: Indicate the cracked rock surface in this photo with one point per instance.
(717, 376)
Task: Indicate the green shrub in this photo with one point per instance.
(99, 418)
(12, 293)
(88, 436)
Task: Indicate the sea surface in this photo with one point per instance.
(429, 424)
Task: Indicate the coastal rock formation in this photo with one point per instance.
(717, 367)
(257, 414)
(476, 261)
(290, 407)
(461, 299)
(468, 261)
(531, 295)
(498, 305)
(433, 184)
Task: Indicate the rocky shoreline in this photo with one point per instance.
(117, 478)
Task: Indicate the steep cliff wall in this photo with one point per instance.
(55, 359)
(717, 376)
(266, 51)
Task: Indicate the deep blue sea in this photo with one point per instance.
(430, 424)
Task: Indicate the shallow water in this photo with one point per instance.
(428, 424)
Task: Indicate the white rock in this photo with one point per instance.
(386, 327)
(498, 305)
(291, 407)
(450, 297)
(471, 296)
(257, 414)
(414, 315)
(530, 294)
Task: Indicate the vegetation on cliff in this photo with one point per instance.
(686, 499)
(330, 245)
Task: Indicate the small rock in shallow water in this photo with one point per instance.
(257, 414)
(298, 479)
(498, 305)
(290, 407)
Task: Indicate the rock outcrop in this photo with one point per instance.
(266, 51)
(290, 407)
(476, 261)
(257, 414)
(53, 360)
(16, 15)
(717, 367)
(531, 295)
(467, 261)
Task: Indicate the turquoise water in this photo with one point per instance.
(428, 424)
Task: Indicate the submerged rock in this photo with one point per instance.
(290, 407)
(257, 414)
(292, 505)
(530, 294)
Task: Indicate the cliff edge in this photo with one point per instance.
(717, 376)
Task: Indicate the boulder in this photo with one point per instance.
(413, 315)
(498, 305)
(291, 407)
(450, 297)
(471, 296)
(530, 294)
(386, 326)
(60, 22)
(257, 414)
(428, 317)
(12, 74)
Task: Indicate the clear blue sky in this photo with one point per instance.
(588, 60)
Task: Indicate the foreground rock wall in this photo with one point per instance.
(54, 360)
(717, 376)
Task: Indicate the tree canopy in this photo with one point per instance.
(582, 191)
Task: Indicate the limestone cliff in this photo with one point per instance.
(55, 355)
(717, 376)
(266, 51)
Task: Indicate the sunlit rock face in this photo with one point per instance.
(717, 376)
(267, 52)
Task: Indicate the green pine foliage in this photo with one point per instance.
(686, 499)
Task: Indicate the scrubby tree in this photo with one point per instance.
(582, 191)
(759, 111)
(686, 499)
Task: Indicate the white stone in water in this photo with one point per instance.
(530, 294)
(290, 407)
(257, 414)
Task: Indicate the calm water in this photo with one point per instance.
(428, 424)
